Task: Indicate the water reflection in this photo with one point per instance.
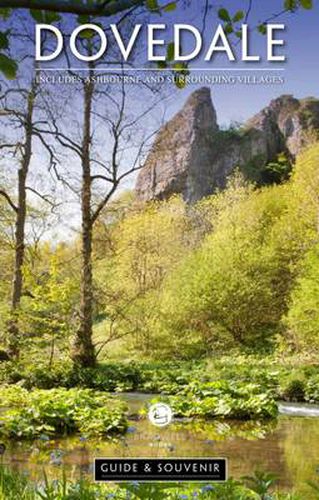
(288, 447)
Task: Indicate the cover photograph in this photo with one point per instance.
(159, 250)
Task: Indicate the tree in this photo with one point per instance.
(302, 320)
(109, 148)
(24, 118)
(48, 311)
(6, 259)
(229, 285)
(20, 110)
(146, 245)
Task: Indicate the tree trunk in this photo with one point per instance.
(83, 349)
(17, 285)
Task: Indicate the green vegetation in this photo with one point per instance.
(235, 272)
(213, 306)
(260, 486)
(28, 414)
(224, 399)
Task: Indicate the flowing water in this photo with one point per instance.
(288, 446)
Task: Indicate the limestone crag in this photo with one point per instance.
(181, 158)
(192, 156)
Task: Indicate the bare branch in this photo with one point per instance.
(9, 200)
(250, 6)
(103, 203)
(101, 177)
(42, 196)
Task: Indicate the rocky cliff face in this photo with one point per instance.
(181, 158)
(192, 156)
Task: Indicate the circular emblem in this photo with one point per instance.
(160, 414)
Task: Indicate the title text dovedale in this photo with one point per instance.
(156, 35)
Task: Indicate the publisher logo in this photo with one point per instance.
(160, 414)
(177, 469)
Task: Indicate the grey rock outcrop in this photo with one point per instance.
(192, 156)
(181, 158)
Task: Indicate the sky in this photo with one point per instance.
(301, 68)
(239, 102)
(233, 103)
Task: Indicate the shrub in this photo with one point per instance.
(59, 411)
(108, 377)
(303, 317)
(224, 399)
(294, 390)
(312, 390)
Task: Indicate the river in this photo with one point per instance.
(288, 446)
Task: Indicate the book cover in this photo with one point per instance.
(159, 218)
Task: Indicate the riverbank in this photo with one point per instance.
(231, 407)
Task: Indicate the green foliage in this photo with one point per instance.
(169, 7)
(223, 14)
(171, 378)
(229, 284)
(306, 4)
(106, 377)
(262, 28)
(8, 66)
(37, 374)
(47, 17)
(14, 485)
(224, 399)
(303, 317)
(153, 377)
(117, 377)
(146, 246)
(152, 5)
(230, 21)
(294, 390)
(312, 390)
(47, 314)
(261, 482)
(291, 5)
(278, 171)
(262, 173)
(28, 414)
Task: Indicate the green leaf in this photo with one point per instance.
(5, 13)
(180, 82)
(223, 14)
(169, 7)
(306, 4)
(83, 19)
(4, 42)
(290, 5)
(161, 64)
(181, 67)
(8, 67)
(229, 28)
(52, 17)
(170, 51)
(89, 33)
(152, 5)
(86, 34)
(38, 15)
(262, 28)
(239, 16)
(42, 16)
